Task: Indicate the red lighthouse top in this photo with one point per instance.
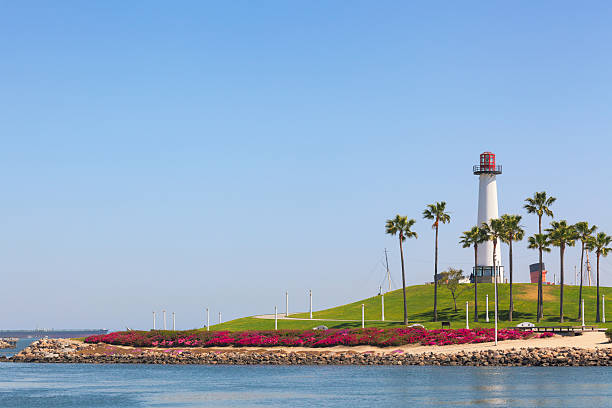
(487, 164)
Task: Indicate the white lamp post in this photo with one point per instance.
(219, 317)
(173, 321)
(287, 304)
(603, 308)
(207, 320)
(153, 320)
(582, 312)
(275, 318)
(467, 316)
(487, 307)
(362, 316)
(382, 305)
(164, 312)
(310, 292)
(495, 307)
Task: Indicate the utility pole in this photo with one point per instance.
(588, 264)
(164, 312)
(207, 319)
(173, 321)
(388, 273)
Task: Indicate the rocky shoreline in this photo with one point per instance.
(69, 351)
(8, 343)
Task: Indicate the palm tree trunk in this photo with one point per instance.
(539, 313)
(403, 281)
(475, 283)
(540, 273)
(598, 317)
(562, 250)
(435, 311)
(580, 291)
(511, 308)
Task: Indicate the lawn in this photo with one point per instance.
(420, 305)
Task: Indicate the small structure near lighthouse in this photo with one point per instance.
(487, 170)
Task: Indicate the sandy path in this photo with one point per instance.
(591, 340)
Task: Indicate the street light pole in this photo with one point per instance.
(496, 308)
(310, 292)
(362, 316)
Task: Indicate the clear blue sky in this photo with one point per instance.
(190, 154)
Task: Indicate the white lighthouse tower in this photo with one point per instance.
(487, 171)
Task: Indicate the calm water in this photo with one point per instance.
(85, 385)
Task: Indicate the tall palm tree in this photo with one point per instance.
(437, 213)
(584, 234)
(599, 243)
(541, 243)
(474, 237)
(494, 231)
(401, 226)
(562, 235)
(512, 232)
(539, 204)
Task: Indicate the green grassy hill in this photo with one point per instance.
(420, 308)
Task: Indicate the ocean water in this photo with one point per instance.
(118, 385)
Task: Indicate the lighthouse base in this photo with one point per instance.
(485, 274)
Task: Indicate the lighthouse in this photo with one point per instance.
(487, 170)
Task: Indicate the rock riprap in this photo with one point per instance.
(71, 351)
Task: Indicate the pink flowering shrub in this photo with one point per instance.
(308, 338)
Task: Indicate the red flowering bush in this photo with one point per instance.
(307, 338)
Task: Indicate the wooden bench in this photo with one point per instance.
(446, 325)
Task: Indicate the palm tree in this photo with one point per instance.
(599, 244)
(512, 232)
(436, 212)
(474, 237)
(584, 234)
(539, 204)
(494, 231)
(541, 243)
(401, 226)
(562, 235)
